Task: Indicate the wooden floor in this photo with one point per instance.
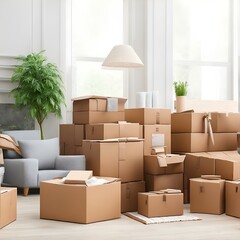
(29, 226)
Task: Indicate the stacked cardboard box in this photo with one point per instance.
(191, 131)
(156, 126)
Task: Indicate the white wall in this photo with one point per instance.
(29, 26)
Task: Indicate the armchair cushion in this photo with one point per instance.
(45, 151)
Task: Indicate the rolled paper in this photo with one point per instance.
(149, 99)
(141, 99)
(155, 99)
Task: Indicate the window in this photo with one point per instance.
(203, 46)
(96, 27)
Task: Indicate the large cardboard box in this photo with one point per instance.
(71, 136)
(164, 164)
(148, 116)
(232, 198)
(99, 104)
(80, 203)
(207, 196)
(155, 136)
(201, 142)
(98, 109)
(160, 203)
(102, 131)
(160, 182)
(188, 122)
(129, 195)
(225, 122)
(8, 205)
(115, 158)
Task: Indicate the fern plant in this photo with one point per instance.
(180, 88)
(39, 87)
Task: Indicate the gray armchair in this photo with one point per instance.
(40, 161)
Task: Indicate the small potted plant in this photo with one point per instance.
(181, 95)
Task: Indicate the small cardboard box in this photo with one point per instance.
(155, 136)
(71, 135)
(232, 198)
(201, 142)
(8, 206)
(80, 203)
(148, 116)
(122, 158)
(129, 195)
(98, 104)
(187, 122)
(207, 196)
(103, 131)
(163, 164)
(225, 122)
(77, 177)
(159, 182)
(160, 203)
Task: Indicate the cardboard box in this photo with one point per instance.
(129, 195)
(102, 131)
(115, 158)
(207, 196)
(232, 198)
(148, 116)
(160, 204)
(8, 206)
(97, 117)
(77, 177)
(80, 203)
(156, 135)
(201, 142)
(227, 165)
(99, 104)
(159, 182)
(195, 165)
(163, 164)
(71, 135)
(225, 122)
(187, 122)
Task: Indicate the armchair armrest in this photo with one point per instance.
(70, 162)
(21, 172)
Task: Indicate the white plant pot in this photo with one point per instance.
(181, 103)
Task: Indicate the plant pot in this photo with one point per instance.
(181, 103)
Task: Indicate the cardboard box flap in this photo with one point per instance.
(97, 97)
(211, 177)
(78, 177)
(93, 181)
(128, 139)
(164, 160)
(167, 191)
(1, 157)
(158, 150)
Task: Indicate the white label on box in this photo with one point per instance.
(157, 140)
(112, 104)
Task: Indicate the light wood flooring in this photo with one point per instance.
(29, 226)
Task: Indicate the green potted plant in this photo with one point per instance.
(181, 95)
(39, 87)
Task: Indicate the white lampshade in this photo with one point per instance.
(122, 56)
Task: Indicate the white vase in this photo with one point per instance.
(181, 103)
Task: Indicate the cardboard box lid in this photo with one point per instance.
(78, 177)
(202, 180)
(96, 97)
